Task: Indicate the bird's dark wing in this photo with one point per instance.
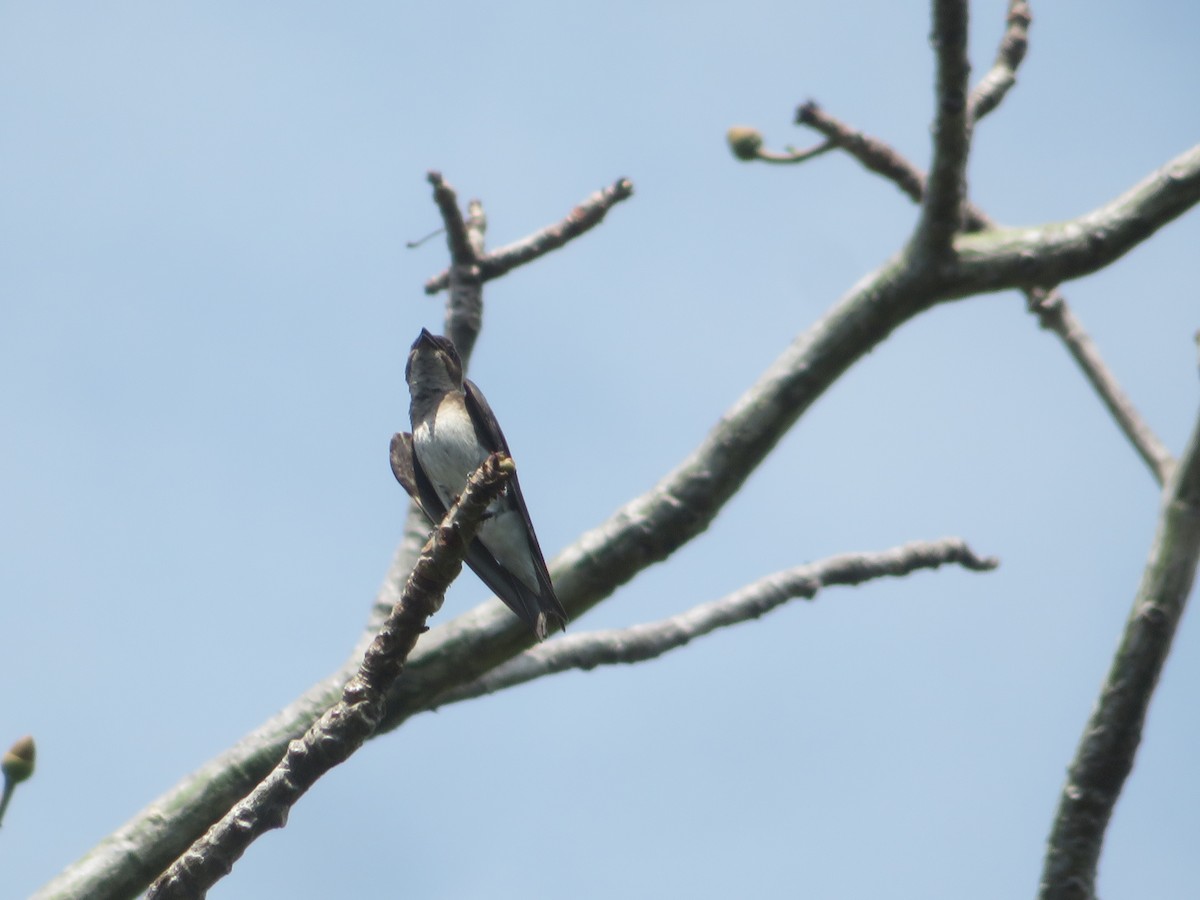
(487, 429)
(413, 479)
(522, 601)
(401, 456)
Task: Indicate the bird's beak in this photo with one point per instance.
(425, 338)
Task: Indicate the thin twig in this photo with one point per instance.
(791, 155)
(344, 727)
(446, 198)
(1003, 74)
(875, 155)
(582, 218)
(413, 245)
(879, 157)
(641, 642)
(1110, 740)
(946, 186)
(1055, 315)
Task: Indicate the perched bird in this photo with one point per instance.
(453, 432)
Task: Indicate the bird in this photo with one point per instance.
(453, 431)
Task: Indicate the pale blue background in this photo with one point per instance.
(206, 305)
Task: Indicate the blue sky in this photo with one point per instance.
(206, 308)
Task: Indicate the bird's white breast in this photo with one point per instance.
(448, 449)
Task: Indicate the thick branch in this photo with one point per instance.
(1003, 258)
(1055, 315)
(343, 728)
(582, 218)
(946, 189)
(1003, 74)
(641, 642)
(1106, 752)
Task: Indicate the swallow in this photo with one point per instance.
(453, 431)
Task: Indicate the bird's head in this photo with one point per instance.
(433, 364)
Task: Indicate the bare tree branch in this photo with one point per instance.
(875, 155)
(464, 237)
(461, 252)
(1050, 306)
(641, 642)
(946, 187)
(464, 307)
(651, 527)
(125, 861)
(1055, 315)
(345, 726)
(582, 218)
(879, 157)
(1002, 258)
(993, 258)
(1110, 741)
(1003, 74)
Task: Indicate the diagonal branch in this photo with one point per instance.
(946, 190)
(1110, 741)
(1003, 74)
(641, 642)
(345, 726)
(1004, 258)
(875, 155)
(879, 157)
(1055, 315)
(582, 218)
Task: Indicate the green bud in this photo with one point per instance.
(744, 141)
(17, 764)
